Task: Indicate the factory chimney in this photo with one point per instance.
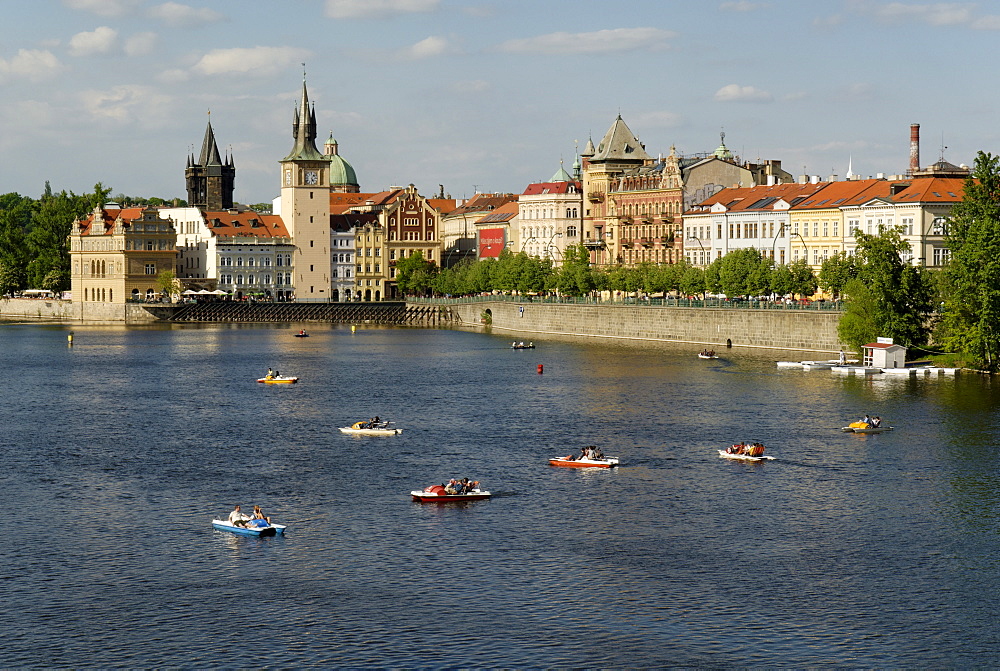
(914, 147)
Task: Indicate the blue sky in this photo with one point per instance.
(484, 95)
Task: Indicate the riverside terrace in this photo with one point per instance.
(668, 301)
(715, 323)
(362, 313)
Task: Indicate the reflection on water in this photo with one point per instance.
(848, 550)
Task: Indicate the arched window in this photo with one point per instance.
(571, 231)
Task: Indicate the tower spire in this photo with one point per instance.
(304, 128)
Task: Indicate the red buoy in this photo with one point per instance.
(539, 369)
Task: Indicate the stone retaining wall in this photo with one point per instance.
(70, 311)
(801, 330)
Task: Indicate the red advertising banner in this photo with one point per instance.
(491, 242)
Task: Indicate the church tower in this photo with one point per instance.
(305, 206)
(210, 181)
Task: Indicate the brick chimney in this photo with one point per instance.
(914, 147)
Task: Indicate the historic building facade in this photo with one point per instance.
(550, 217)
(119, 254)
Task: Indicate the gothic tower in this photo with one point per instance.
(210, 181)
(305, 206)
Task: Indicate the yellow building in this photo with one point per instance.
(817, 224)
(118, 254)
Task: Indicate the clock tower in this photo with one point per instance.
(305, 206)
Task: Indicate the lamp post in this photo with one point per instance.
(805, 247)
(526, 241)
(695, 238)
(776, 236)
(549, 245)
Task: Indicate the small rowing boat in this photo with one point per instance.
(865, 427)
(251, 529)
(437, 494)
(583, 462)
(370, 429)
(277, 379)
(745, 457)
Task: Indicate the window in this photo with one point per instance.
(266, 261)
(277, 260)
(150, 268)
(239, 261)
(941, 256)
(571, 231)
(267, 279)
(939, 227)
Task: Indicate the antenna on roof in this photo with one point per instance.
(943, 147)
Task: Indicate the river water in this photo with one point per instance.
(857, 551)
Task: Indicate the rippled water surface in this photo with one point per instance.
(858, 551)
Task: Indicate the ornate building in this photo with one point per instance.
(342, 176)
(618, 151)
(118, 254)
(210, 181)
(550, 217)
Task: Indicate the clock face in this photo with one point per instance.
(288, 177)
(311, 177)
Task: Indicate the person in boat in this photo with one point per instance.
(868, 421)
(237, 518)
(453, 487)
(531, 344)
(377, 422)
(302, 332)
(735, 448)
(258, 518)
(270, 374)
(876, 422)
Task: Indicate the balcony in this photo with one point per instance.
(595, 197)
(645, 242)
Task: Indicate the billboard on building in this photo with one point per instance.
(491, 242)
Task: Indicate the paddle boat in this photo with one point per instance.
(278, 379)
(570, 461)
(439, 494)
(371, 429)
(301, 334)
(742, 452)
(521, 345)
(865, 427)
(253, 528)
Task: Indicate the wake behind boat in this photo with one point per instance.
(371, 428)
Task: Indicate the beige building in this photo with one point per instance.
(118, 254)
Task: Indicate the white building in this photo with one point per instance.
(550, 217)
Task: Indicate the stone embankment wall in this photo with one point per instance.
(802, 330)
(70, 311)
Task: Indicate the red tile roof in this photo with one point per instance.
(225, 224)
(539, 188)
(505, 212)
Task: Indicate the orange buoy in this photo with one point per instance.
(539, 369)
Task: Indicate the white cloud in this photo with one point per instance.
(987, 23)
(103, 7)
(177, 15)
(140, 44)
(173, 76)
(32, 64)
(742, 6)
(937, 14)
(432, 46)
(371, 9)
(737, 93)
(98, 41)
(598, 42)
(127, 104)
(256, 60)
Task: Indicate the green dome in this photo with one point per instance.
(341, 172)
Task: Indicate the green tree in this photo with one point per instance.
(900, 294)
(415, 274)
(167, 283)
(16, 212)
(836, 272)
(575, 277)
(971, 321)
(744, 272)
(803, 281)
(11, 278)
(48, 240)
(857, 327)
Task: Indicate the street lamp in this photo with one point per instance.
(549, 245)
(805, 247)
(695, 238)
(526, 241)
